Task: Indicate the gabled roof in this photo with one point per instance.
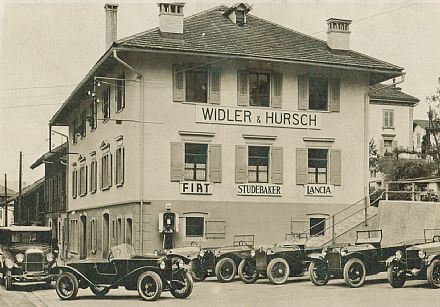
(29, 188)
(385, 93)
(2, 192)
(59, 150)
(211, 32)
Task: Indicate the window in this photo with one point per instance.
(258, 164)
(259, 89)
(106, 104)
(74, 181)
(119, 231)
(92, 116)
(318, 94)
(195, 226)
(129, 231)
(93, 173)
(317, 226)
(82, 127)
(75, 131)
(120, 155)
(83, 179)
(106, 171)
(388, 118)
(317, 165)
(196, 161)
(196, 85)
(388, 144)
(120, 93)
(93, 236)
(74, 236)
(239, 17)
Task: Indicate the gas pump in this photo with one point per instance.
(168, 225)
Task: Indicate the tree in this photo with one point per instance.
(397, 169)
(434, 122)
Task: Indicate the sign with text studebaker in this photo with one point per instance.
(257, 117)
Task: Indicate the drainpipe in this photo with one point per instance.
(366, 145)
(141, 149)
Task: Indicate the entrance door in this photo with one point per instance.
(105, 235)
(83, 238)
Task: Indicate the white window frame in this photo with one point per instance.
(196, 215)
(327, 167)
(120, 88)
(74, 181)
(207, 160)
(82, 182)
(269, 159)
(388, 118)
(106, 169)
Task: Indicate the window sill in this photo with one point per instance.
(119, 111)
(93, 192)
(118, 185)
(106, 188)
(318, 111)
(82, 195)
(106, 120)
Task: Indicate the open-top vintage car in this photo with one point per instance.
(278, 262)
(27, 254)
(420, 261)
(149, 275)
(222, 261)
(352, 262)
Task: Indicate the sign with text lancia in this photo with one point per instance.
(257, 117)
(318, 190)
(196, 187)
(259, 189)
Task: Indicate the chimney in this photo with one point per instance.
(111, 24)
(338, 34)
(171, 19)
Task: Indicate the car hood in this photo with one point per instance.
(427, 247)
(22, 248)
(356, 248)
(186, 251)
(226, 249)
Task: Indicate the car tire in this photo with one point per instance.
(100, 292)
(247, 271)
(278, 271)
(433, 274)
(149, 280)
(198, 273)
(354, 273)
(186, 289)
(67, 286)
(394, 280)
(319, 274)
(225, 270)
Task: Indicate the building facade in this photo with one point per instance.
(10, 215)
(29, 209)
(244, 126)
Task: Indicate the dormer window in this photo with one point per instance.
(237, 13)
(239, 18)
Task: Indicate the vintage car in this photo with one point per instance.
(149, 275)
(419, 261)
(352, 262)
(223, 261)
(277, 262)
(27, 254)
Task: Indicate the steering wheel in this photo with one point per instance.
(436, 238)
(110, 256)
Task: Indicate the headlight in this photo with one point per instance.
(19, 257)
(9, 263)
(324, 251)
(49, 257)
(269, 251)
(422, 254)
(180, 263)
(162, 265)
(217, 252)
(202, 253)
(398, 255)
(252, 253)
(343, 252)
(156, 253)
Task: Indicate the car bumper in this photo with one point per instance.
(33, 277)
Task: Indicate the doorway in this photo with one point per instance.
(83, 238)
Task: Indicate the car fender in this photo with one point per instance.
(237, 257)
(78, 274)
(431, 258)
(317, 257)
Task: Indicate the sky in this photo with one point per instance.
(46, 49)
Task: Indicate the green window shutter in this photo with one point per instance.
(301, 166)
(242, 88)
(277, 89)
(214, 86)
(335, 167)
(178, 83)
(241, 157)
(335, 95)
(277, 165)
(177, 161)
(303, 93)
(215, 163)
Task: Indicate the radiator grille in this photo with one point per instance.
(334, 261)
(34, 262)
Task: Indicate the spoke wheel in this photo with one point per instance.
(67, 286)
(183, 288)
(433, 273)
(247, 271)
(149, 286)
(225, 270)
(278, 271)
(318, 272)
(395, 277)
(198, 272)
(354, 273)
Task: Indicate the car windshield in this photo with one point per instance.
(31, 237)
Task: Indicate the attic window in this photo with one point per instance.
(239, 18)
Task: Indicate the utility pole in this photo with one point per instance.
(6, 200)
(20, 186)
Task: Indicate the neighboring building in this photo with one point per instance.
(243, 125)
(10, 214)
(391, 118)
(422, 138)
(31, 211)
(55, 193)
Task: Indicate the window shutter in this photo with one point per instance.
(242, 88)
(215, 163)
(241, 164)
(303, 93)
(277, 88)
(178, 83)
(86, 179)
(391, 118)
(177, 161)
(101, 171)
(335, 166)
(277, 164)
(301, 166)
(214, 94)
(335, 94)
(110, 171)
(122, 165)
